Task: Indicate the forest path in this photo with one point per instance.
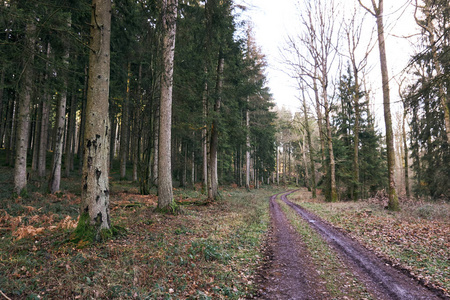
(290, 273)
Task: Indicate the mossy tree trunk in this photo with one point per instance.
(95, 185)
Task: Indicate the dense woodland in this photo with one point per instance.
(185, 101)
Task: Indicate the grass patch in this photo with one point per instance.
(338, 278)
(416, 239)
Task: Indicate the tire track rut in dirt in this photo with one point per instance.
(384, 281)
(287, 272)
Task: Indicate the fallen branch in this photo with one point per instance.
(6, 297)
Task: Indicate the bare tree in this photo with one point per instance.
(320, 40)
(165, 192)
(377, 12)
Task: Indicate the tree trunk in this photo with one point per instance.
(214, 130)
(155, 148)
(405, 148)
(43, 139)
(68, 164)
(319, 121)
(393, 199)
(247, 151)
(36, 134)
(205, 135)
(124, 126)
(165, 192)
(112, 141)
(83, 120)
(20, 164)
(311, 155)
(95, 185)
(278, 166)
(333, 192)
(55, 175)
(355, 173)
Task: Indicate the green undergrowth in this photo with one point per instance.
(416, 239)
(209, 252)
(86, 233)
(332, 271)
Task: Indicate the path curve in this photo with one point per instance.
(289, 275)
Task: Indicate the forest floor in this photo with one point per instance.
(219, 250)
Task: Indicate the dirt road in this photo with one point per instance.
(289, 273)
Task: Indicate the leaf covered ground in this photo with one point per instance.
(415, 240)
(208, 252)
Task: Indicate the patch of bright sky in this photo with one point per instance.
(273, 21)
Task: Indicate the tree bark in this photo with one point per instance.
(55, 176)
(406, 154)
(311, 155)
(355, 173)
(247, 151)
(20, 164)
(124, 128)
(68, 164)
(95, 184)
(165, 192)
(393, 199)
(215, 130)
(205, 134)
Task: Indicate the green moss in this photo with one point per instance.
(87, 233)
(173, 208)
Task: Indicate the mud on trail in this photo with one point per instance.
(289, 273)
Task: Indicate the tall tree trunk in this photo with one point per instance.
(68, 164)
(393, 199)
(155, 159)
(43, 139)
(215, 130)
(355, 173)
(319, 120)
(311, 155)
(247, 151)
(112, 141)
(55, 175)
(20, 164)
(124, 128)
(95, 185)
(333, 193)
(205, 134)
(83, 120)
(36, 134)
(9, 130)
(165, 192)
(278, 166)
(405, 148)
